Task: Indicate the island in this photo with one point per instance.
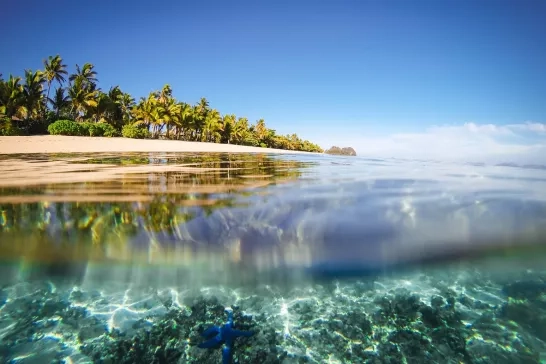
(341, 151)
(53, 101)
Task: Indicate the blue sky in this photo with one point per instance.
(335, 72)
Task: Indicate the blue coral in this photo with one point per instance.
(223, 336)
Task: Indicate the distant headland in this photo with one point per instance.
(341, 151)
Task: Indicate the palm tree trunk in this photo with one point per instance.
(47, 98)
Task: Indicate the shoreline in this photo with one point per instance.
(39, 144)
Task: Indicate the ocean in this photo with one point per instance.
(144, 257)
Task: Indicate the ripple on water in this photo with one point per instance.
(128, 258)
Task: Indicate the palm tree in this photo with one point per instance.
(240, 131)
(203, 105)
(119, 107)
(81, 97)
(211, 127)
(200, 112)
(114, 109)
(59, 101)
(261, 132)
(86, 75)
(142, 111)
(295, 141)
(170, 113)
(226, 128)
(125, 102)
(12, 98)
(184, 119)
(148, 113)
(103, 111)
(165, 94)
(32, 91)
(167, 108)
(54, 70)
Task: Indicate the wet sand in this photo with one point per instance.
(71, 144)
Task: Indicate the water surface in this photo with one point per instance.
(337, 259)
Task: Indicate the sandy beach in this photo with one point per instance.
(72, 144)
(68, 169)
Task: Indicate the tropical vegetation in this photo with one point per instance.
(56, 102)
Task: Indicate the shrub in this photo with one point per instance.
(99, 129)
(86, 128)
(66, 127)
(107, 130)
(92, 129)
(134, 131)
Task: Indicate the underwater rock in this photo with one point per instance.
(530, 290)
(3, 297)
(526, 305)
(526, 314)
(339, 321)
(172, 339)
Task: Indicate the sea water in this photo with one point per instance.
(128, 258)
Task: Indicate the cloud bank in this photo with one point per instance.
(523, 143)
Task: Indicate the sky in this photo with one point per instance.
(445, 79)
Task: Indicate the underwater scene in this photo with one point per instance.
(263, 258)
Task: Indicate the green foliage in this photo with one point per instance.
(42, 101)
(90, 128)
(134, 131)
(8, 129)
(66, 127)
(108, 130)
(85, 128)
(250, 140)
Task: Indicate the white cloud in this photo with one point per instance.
(529, 126)
(489, 129)
(517, 143)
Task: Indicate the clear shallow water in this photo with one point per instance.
(130, 257)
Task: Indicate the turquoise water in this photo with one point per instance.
(128, 258)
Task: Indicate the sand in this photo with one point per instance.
(70, 144)
(19, 171)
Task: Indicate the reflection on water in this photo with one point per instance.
(262, 213)
(129, 208)
(196, 221)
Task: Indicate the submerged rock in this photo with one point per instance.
(337, 321)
